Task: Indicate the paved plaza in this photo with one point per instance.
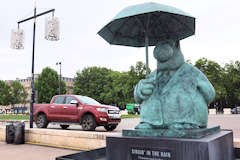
(30, 152)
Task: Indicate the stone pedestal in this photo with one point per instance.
(218, 146)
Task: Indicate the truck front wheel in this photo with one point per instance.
(110, 127)
(89, 123)
(41, 121)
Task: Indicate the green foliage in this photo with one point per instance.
(226, 81)
(12, 94)
(4, 93)
(130, 116)
(18, 93)
(47, 85)
(14, 117)
(116, 91)
(90, 82)
(26, 117)
(231, 81)
(107, 86)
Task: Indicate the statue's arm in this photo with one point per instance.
(205, 88)
(138, 96)
(144, 88)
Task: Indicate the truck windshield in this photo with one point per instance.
(87, 100)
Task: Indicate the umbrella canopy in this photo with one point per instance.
(146, 24)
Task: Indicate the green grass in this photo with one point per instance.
(14, 117)
(130, 116)
(26, 117)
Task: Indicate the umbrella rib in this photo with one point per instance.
(114, 35)
(161, 25)
(138, 20)
(130, 31)
(139, 31)
(182, 23)
(109, 29)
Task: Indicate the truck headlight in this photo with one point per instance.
(101, 110)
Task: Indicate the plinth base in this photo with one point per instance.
(218, 146)
(173, 133)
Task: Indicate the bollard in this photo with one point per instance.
(19, 137)
(10, 129)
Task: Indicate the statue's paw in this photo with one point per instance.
(190, 126)
(144, 126)
(183, 126)
(176, 126)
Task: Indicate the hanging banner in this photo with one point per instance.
(17, 39)
(52, 29)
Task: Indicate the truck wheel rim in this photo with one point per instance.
(87, 123)
(40, 121)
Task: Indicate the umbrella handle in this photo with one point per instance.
(146, 45)
(146, 40)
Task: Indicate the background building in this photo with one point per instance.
(27, 85)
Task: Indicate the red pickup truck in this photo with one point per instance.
(69, 109)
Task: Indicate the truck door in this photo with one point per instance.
(55, 109)
(70, 111)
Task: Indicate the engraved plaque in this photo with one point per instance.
(152, 153)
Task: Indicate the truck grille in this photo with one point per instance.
(113, 111)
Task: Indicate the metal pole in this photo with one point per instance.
(37, 15)
(60, 77)
(59, 82)
(146, 39)
(146, 45)
(32, 82)
(33, 52)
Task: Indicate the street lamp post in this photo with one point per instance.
(16, 41)
(60, 76)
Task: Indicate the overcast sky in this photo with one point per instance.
(217, 35)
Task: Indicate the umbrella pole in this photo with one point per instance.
(146, 45)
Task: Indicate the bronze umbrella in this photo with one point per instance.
(146, 24)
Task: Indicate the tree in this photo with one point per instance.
(232, 83)
(90, 82)
(107, 86)
(47, 85)
(115, 90)
(4, 93)
(18, 93)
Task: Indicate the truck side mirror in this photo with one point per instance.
(74, 102)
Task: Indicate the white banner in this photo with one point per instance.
(52, 29)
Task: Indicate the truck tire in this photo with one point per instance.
(110, 127)
(63, 126)
(41, 121)
(89, 123)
